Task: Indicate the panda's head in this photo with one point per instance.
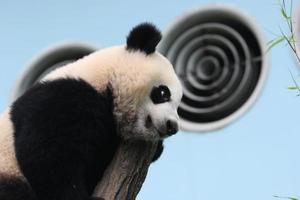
(149, 91)
(144, 85)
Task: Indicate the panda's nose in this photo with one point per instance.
(172, 127)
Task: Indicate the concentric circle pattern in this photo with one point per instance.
(218, 58)
(49, 60)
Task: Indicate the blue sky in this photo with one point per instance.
(254, 158)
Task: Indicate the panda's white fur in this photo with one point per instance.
(131, 74)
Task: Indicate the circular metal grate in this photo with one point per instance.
(218, 54)
(47, 61)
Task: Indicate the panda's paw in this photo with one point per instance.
(96, 198)
(159, 150)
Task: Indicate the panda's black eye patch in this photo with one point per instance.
(160, 94)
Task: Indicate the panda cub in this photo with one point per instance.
(58, 138)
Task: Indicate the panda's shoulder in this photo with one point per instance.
(64, 89)
(58, 99)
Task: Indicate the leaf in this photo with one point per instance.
(293, 88)
(275, 42)
(270, 42)
(290, 198)
(294, 80)
(283, 13)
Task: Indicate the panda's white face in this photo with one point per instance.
(148, 93)
(159, 115)
(155, 89)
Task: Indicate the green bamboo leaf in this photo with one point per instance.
(294, 80)
(293, 88)
(270, 42)
(275, 42)
(290, 198)
(283, 13)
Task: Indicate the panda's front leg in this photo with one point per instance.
(65, 138)
(159, 150)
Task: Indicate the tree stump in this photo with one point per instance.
(127, 171)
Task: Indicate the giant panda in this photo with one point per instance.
(57, 139)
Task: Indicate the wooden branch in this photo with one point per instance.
(127, 172)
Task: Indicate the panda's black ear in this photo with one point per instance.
(143, 37)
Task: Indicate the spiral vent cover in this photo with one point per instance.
(49, 60)
(218, 55)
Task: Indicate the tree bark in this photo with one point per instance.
(126, 173)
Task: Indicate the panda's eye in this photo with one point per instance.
(160, 94)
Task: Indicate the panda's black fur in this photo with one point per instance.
(14, 188)
(65, 136)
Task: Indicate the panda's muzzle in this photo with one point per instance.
(171, 127)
